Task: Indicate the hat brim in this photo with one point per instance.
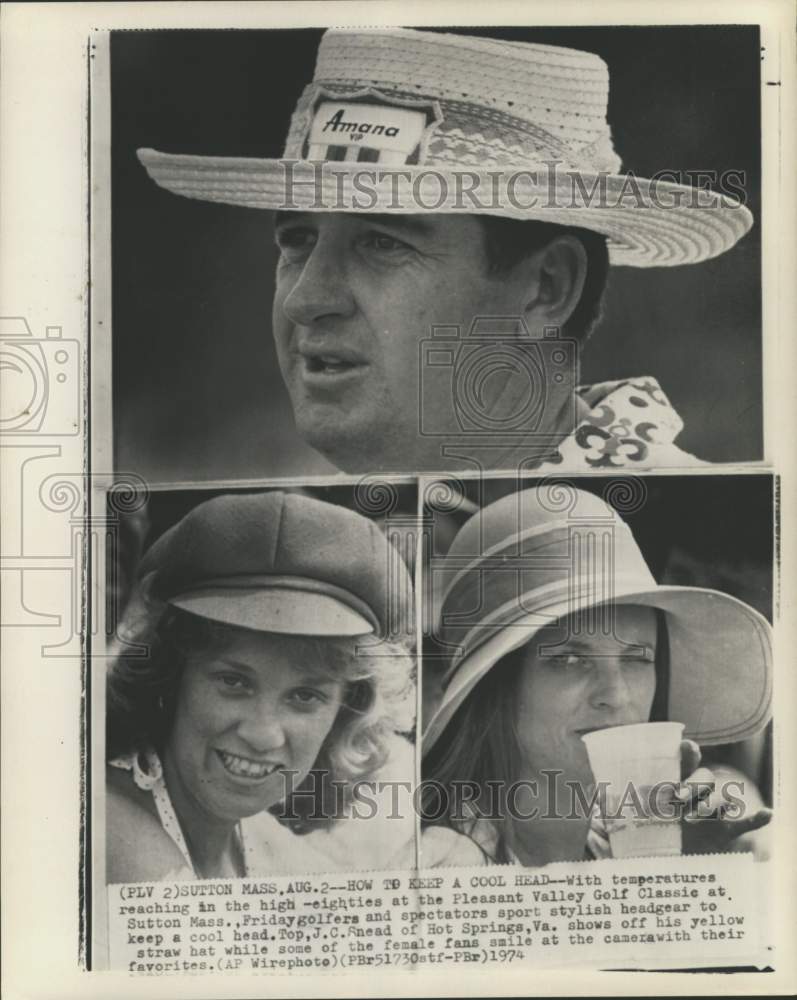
(275, 609)
(720, 684)
(648, 223)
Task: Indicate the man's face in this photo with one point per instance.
(355, 296)
(571, 684)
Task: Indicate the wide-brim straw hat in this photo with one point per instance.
(281, 562)
(535, 557)
(405, 121)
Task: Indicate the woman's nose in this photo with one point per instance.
(321, 290)
(610, 688)
(261, 727)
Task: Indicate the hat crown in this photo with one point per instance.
(286, 536)
(542, 508)
(490, 102)
(548, 547)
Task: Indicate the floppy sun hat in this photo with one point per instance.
(407, 121)
(281, 562)
(532, 558)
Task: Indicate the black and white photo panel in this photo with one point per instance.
(453, 249)
(570, 626)
(261, 702)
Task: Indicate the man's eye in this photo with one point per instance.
(294, 240)
(384, 242)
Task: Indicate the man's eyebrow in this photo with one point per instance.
(238, 664)
(282, 217)
(410, 223)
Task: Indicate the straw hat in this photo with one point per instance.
(534, 557)
(413, 121)
(281, 562)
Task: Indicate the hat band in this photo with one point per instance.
(586, 560)
(529, 544)
(338, 121)
(250, 581)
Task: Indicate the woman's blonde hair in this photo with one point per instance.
(378, 700)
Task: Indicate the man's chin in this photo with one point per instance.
(352, 446)
(370, 447)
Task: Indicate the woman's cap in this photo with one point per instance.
(397, 120)
(282, 562)
(535, 557)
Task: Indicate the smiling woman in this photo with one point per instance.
(270, 687)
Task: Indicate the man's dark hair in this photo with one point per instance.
(509, 241)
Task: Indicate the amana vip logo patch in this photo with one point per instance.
(368, 132)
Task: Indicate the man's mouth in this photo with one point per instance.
(245, 767)
(329, 364)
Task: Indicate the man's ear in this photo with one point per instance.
(554, 279)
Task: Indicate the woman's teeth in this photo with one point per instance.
(243, 767)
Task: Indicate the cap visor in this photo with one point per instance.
(275, 609)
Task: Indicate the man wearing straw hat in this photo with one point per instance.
(447, 210)
(554, 628)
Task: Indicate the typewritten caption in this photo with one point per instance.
(699, 910)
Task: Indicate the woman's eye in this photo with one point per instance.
(233, 682)
(306, 697)
(568, 660)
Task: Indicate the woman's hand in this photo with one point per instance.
(722, 809)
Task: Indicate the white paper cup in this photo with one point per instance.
(637, 765)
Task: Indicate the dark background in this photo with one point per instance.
(698, 531)
(197, 390)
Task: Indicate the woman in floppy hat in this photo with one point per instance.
(555, 627)
(256, 612)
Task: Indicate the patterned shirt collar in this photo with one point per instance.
(628, 424)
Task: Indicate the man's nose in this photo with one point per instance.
(610, 688)
(322, 288)
(261, 726)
